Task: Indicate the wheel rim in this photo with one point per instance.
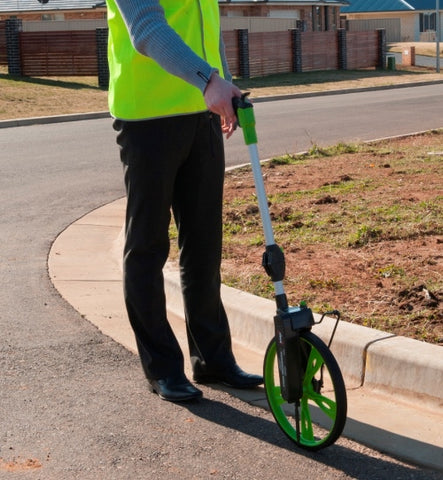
(320, 420)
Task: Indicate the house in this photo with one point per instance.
(309, 15)
(404, 20)
(59, 10)
(307, 37)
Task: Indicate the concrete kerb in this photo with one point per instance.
(367, 357)
(73, 117)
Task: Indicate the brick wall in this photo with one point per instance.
(67, 15)
(13, 27)
(329, 17)
(3, 55)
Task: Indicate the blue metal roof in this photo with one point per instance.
(361, 6)
(424, 4)
(35, 5)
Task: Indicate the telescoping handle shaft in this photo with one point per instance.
(246, 120)
(273, 258)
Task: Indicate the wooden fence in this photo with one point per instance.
(249, 54)
(269, 52)
(362, 49)
(58, 53)
(320, 52)
(275, 52)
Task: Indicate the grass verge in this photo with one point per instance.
(25, 97)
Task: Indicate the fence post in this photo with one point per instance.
(243, 52)
(342, 49)
(297, 65)
(101, 35)
(301, 25)
(13, 28)
(381, 57)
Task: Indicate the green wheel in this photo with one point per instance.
(320, 417)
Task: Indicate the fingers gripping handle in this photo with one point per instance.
(245, 114)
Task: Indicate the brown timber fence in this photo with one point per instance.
(264, 53)
(269, 52)
(58, 53)
(249, 54)
(320, 53)
(362, 49)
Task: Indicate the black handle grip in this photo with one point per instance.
(241, 102)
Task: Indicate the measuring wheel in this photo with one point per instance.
(319, 418)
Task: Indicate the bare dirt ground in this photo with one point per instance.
(362, 232)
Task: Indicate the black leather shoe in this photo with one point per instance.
(232, 377)
(176, 388)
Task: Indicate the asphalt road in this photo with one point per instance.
(73, 403)
(294, 125)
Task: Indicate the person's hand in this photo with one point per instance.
(218, 97)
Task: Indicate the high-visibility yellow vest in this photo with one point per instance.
(139, 88)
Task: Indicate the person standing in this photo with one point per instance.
(170, 94)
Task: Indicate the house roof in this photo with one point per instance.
(292, 2)
(35, 5)
(366, 6)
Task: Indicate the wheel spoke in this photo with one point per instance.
(277, 396)
(327, 405)
(307, 431)
(315, 361)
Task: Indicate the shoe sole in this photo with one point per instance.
(206, 380)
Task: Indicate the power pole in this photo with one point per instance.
(437, 34)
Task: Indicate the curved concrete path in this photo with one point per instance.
(394, 384)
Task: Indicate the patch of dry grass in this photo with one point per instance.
(24, 97)
(293, 83)
(428, 49)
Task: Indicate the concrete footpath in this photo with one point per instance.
(394, 384)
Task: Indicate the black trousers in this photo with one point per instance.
(178, 163)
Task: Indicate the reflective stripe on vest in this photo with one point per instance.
(138, 87)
